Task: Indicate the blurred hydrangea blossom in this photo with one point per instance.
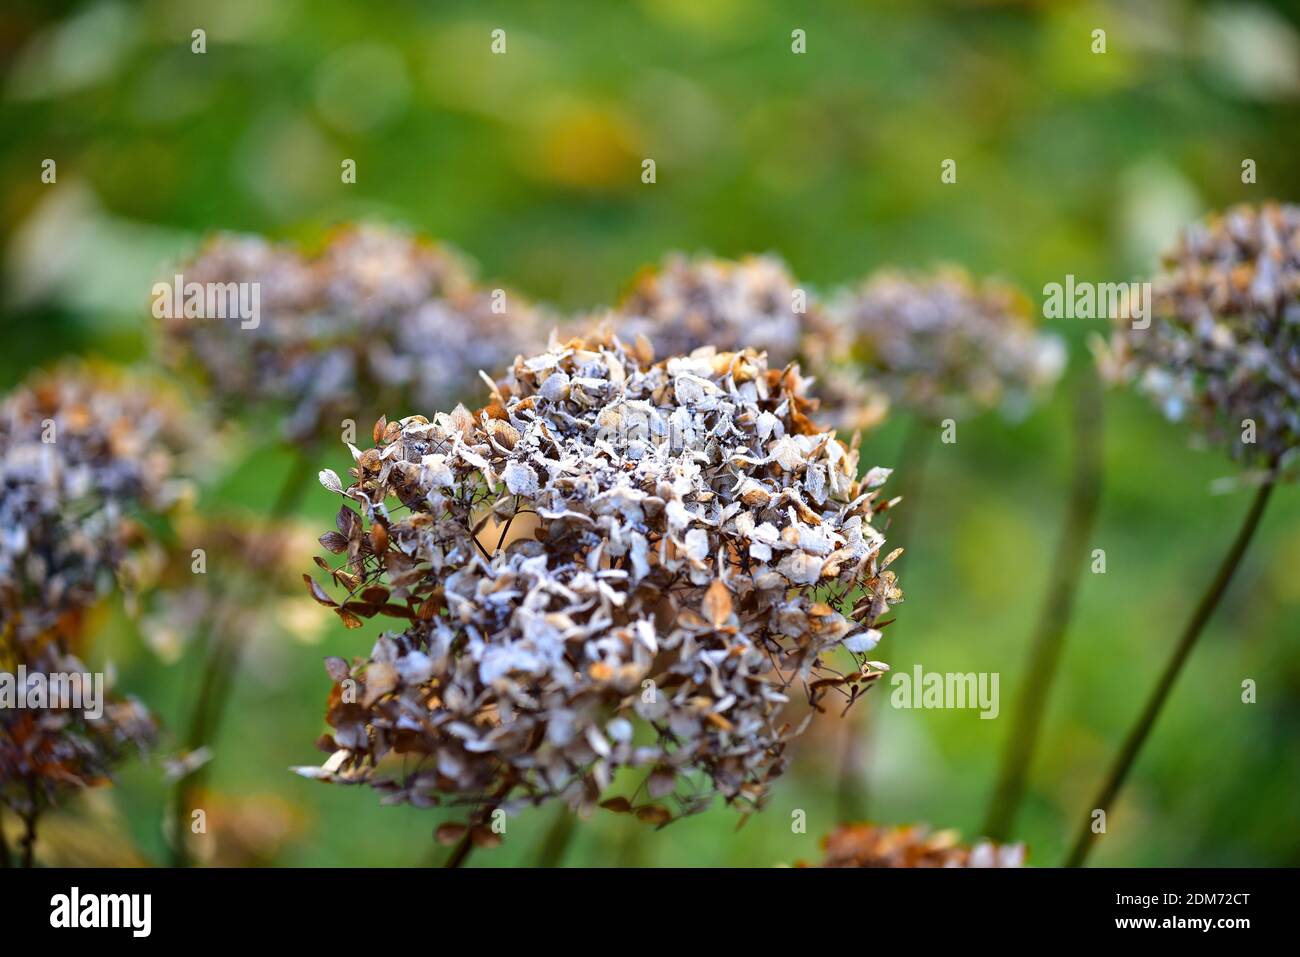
(84, 452)
(377, 316)
(245, 830)
(698, 552)
(943, 344)
(47, 752)
(1223, 346)
(750, 303)
(870, 845)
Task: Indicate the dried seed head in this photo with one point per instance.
(81, 450)
(752, 303)
(615, 564)
(869, 845)
(944, 345)
(48, 752)
(378, 318)
(1223, 345)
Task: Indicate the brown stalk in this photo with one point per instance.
(1141, 730)
(466, 844)
(1053, 623)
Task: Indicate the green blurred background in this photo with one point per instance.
(1068, 162)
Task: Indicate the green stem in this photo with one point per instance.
(1053, 623)
(1146, 721)
(557, 838)
(853, 790)
(220, 665)
(188, 786)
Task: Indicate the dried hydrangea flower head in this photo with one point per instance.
(943, 344)
(374, 272)
(699, 552)
(47, 749)
(81, 450)
(870, 845)
(1223, 345)
(750, 303)
(377, 316)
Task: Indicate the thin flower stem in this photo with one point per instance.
(188, 785)
(506, 530)
(460, 852)
(29, 826)
(1053, 623)
(1146, 721)
(220, 666)
(852, 792)
(466, 844)
(557, 838)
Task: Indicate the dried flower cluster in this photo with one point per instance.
(1223, 347)
(944, 345)
(81, 449)
(46, 752)
(751, 303)
(378, 318)
(869, 845)
(698, 551)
